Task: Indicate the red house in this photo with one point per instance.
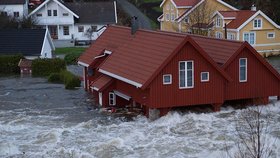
(161, 70)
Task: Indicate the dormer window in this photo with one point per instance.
(257, 23)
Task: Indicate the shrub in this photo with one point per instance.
(44, 67)
(71, 58)
(70, 81)
(9, 64)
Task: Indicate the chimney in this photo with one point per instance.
(134, 25)
(253, 7)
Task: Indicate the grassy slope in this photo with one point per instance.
(68, 50)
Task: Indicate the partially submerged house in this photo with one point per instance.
(160, 70)
(31, 43)
(79, 21)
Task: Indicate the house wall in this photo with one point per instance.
(81, 35)
(203, 92)
(10, 9)
(260, 81)
(262, 42)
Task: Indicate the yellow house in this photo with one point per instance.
(185, 15)
(248, 25)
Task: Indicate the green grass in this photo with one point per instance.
(68, 50)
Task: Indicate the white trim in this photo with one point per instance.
(255, 15)
(193, 8)
(95, 88)
(116, 15)
(112, 99)
(272, 50)
(43, 45)
(42, 5)
(166, 75)
(227, 5)
(246, 70)
(257, 28)
(100, 56)
(179, 7)
(83, 64)
(270, 33)
(138, 85)
(207, 80)
(100, 98)
(107, 52)
(186, 76)
(126, 97)
(270, 44)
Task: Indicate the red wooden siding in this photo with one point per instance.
(260, 81)
(202, 93)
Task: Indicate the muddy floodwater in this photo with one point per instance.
(38, 119)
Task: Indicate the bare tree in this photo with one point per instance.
(200, 20)
(89, 32)
(252, 132)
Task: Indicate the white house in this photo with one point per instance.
(32, 43)
(14, 8)
(70, 21)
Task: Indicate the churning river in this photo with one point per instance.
(38, 119)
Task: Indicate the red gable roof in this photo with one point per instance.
(101, 82)
(240, 17)
(181, 3)
(110, 39)
(142, 56)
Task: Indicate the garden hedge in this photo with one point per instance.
(9, 64)
(70, 81)
(44, 67)
(71, 58)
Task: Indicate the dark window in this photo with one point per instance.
(243, 69)
(65, 30)
(204, 76)
(94, 28)
(65, 14)
(39, 14)
(49, 13)
(16, 14)
(54, 12)
(4, 13)
(81, 28)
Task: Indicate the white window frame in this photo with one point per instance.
(167, 16)
(257, 27)
(112, 99)
(207, 80)
(246, 69)
(231, 36)
(172, 17)
(249, 37)
(218, 22)
(186, 74)
(219, 35)
(271, 33)
(167, 83)
(187, 20)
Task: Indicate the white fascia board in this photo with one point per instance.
(272, 50)
(138, 85)
(227, 5)
(126, 97)
(184, 7)
(43, 45)
(107, 52)
(233, 30)
(83, 64)
(95, 88)
(50, 38)
(254, 16)
(198, 4)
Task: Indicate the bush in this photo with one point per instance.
(70, 81)
(44, 67)
(9, 64)
(71, 58)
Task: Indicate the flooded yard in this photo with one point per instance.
(38, 119)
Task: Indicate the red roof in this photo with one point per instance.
(25, 63)
(181, 3)
(240, 17)
(110, 39)
(142, 56)
(101, 82)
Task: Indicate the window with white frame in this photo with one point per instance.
(167, 79)
(257, 23)
(167, 16)
(218, 22)
(54, 12)
(271, 35)
(204, 76)
(186, 74)
(250, 37)
(112, 99)
(187, 20)
(231, 36)
(243, 70)
(65, 30)
(172, 16)
(219, 35)
(49, 12)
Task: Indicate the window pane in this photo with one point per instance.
(204, 76)
(167, 79)
(189, 65)
(65, 30)
(242, 62)
(182, 79)
(54, 12)
(190, 78)
(246, 37)
(252, 38)
(242, 73)
(182, 66)
(49, 13)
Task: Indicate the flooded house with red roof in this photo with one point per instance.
(158, 70)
